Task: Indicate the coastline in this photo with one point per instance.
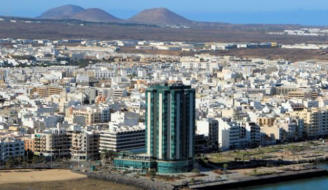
(47, 178)
(262, 180)
(148, 184)
(142, 183)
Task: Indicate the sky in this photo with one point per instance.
(309, 12)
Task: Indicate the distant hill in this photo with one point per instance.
(62, 12)
(156, 16)
(160, 16)
(95, 15)
(78, 13)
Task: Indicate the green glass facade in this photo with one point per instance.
(170, 128)
(170, 122)
(140, 165)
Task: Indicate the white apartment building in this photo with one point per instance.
(122, 138)
(209, 128)
(237, 134)
(125, 118)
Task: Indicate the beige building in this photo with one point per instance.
(85, 145)
(88, 115)
(55, 142)
(265, 121)
(301, 94)
(315, 121)
(79, 145)
(284, 130)
(45, 91)
(270, 134)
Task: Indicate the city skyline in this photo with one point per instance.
(137, 110)
(165, 95)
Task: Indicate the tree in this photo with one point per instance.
(195, 170)
(255, 171)
(29, 155)
(10, 163)
(35, 159)
(151, 173)
(225, 167)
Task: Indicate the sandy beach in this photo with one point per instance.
(29, 179)
(32, 176)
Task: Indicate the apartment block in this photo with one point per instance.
(11, 148)
(122, 138)
(84, 145)
(46, 91)
(315, 121)
(88, 115)
(234, 134)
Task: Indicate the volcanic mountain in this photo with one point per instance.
(62, 12)
(160, 16)
(78, 13)
(95, 15)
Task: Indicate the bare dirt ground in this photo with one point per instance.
(31, 176)
(53, 180)
(292, 55)
(50, 29)
(80, 184)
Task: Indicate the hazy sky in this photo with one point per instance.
(211, 10)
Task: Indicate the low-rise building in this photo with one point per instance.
(54, 142)
(238, 134)
(85, 145)
(11, 148)
(88, 115)
(315, 121)
(123, 138)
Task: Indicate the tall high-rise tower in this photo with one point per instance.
(170, 125)
(170, 131)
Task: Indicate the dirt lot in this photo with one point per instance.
(31, 176)
(53, 180)
(80, 184)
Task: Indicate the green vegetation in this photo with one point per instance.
(195, 170)
(28, 159)
(290, 152)
(255, 172)
(225, 167)
(107, 155)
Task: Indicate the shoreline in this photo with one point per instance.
(222, 184)
(142, 183)
(45, 176)
(262, 180)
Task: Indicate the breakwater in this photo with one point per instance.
(139, 182)
(259, 180)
